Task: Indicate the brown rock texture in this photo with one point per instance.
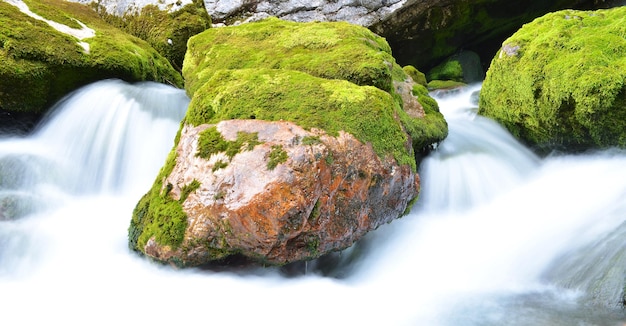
(326, 194)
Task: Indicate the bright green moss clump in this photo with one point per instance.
(430, 129)
(560, 81)
(39, 65)
(327, 50)
(366, 112)
(211, 142)
(158, 215)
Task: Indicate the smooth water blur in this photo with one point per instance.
(500, 237)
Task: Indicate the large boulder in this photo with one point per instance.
(48, 49)
(560, 81)
(295, 144)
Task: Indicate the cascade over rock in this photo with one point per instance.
(299, 139)
(53, 47)
(560, 81)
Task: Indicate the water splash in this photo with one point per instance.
(491, 260)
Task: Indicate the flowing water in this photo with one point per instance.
(499, 237)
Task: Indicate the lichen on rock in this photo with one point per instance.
(560, 81)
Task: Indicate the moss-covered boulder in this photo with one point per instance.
(298, 140)
(166, 30)
(560, 81)
(39, 64)
(327, 50)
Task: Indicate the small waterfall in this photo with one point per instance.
(107, 133)
(476, 162)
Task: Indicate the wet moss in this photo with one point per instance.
(39, 65)
(560, 81)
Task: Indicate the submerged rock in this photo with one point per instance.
(49, 49)
(560, 81)
(298, 140)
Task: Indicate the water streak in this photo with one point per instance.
(500, 237)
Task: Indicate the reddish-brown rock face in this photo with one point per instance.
(322, 196)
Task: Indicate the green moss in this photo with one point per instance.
(167, 32)
(444, 84)
(39, 65)
(277, 156)
(188, 189)
(312, 243)
(560, 81)
(415, 74)
(158, 215)
(447, 70)
(211, 142)
(219, 165)
(311, 140)
(43, 10)
(328, 50)
(366, 112)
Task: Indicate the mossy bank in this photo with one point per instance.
(560, 81)
(39, 64)
(166, 31)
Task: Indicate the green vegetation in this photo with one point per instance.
(426, 131)
(444, 84)
(326, 50)
(277, 155)
(366, 112)
(158, 215)
(211, 142)
(39, 65)
(415, 74)
(219, 165)
(188, 189)
(311, 140)
(560, 81)
(447, 70)
(167, 32)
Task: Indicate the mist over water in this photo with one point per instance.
(499, 237)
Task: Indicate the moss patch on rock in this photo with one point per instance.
(366, 112)
(429, 130)
(560, 81)
(39, 65)
(327, 50)
(447, 70)
(417, 76)
(159, 215)
(211, 142)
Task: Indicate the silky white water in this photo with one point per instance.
(499, 237)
